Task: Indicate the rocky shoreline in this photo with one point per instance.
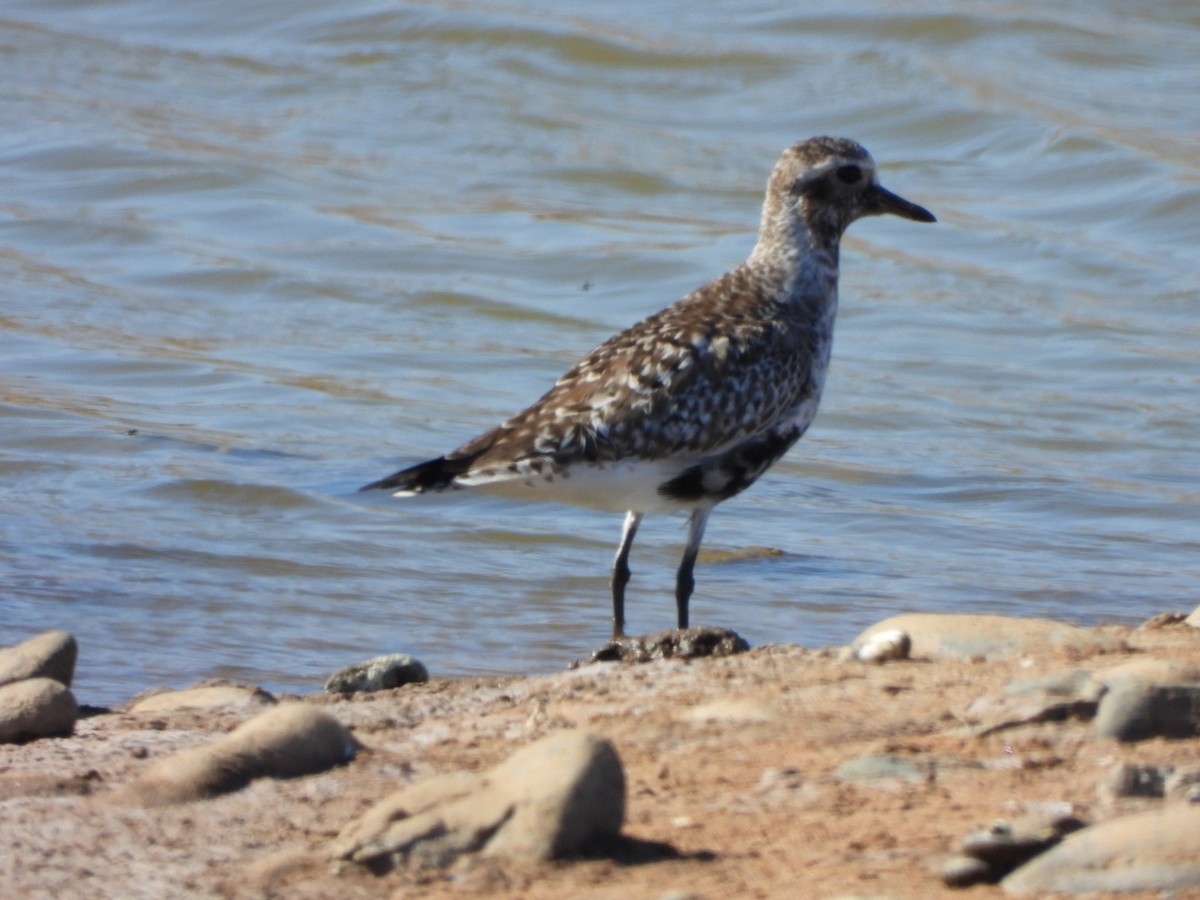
(938, 755)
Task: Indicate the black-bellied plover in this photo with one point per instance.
(691, 405)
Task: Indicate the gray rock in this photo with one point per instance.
(1156, 850)
(1151, 670)
(1010, 842)
(964, 871)
(286, 741)
(731, 709)
(1163, 620)
(676, 643)
(1135, 710)
(1130, 780)
(883, 767)
(1070, 685)
(48, 655)
(987, 637)
(557, 797)
(1004, 845)
(35, 708)
(1053, 698)
(379, 674)
(888, 767)
(203, 696)
(1183, 784)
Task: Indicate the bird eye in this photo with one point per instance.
(849, 174)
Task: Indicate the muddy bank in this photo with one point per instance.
(777, 772)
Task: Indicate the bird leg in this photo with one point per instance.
(621, 573)
(684, 582)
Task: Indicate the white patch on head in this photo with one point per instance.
(821, 170)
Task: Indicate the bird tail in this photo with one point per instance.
(431, 475)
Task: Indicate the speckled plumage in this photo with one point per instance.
(691, 405)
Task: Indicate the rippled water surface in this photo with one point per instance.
(254, 255)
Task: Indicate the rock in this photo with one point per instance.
(48, 784)
(777, 786)
(36, 708)
(1135, 710)
(988, 637)
(1009, 843)
(379, 674)
(741, 554)
(1002, 846)
(964, 871)
(287, 741)
(1148, 781)
(554, 798)
(888, 767)
(1193, 618)
(209, 696)
(679, 643)
(1183, 784)
(884, 646)
(1164, 620)
(1151, 670)
(1151, 851)
(49, 655)
(882, 767)
(1053, 698)
(776, 778)
(730, 710)
(1130, 780)
(1074, 685)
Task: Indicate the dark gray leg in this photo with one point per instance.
(684, 582)
(620, 571)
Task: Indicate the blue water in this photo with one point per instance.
(251, 258)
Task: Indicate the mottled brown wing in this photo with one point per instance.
(693, 379)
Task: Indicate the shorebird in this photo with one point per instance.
(691, 405)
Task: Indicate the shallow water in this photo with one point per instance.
(253, 258)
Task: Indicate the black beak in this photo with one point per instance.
(884, 201)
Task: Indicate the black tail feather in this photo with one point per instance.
(431, 475)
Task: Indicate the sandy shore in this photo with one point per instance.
(736, 772)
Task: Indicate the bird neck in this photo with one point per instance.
(796, 252)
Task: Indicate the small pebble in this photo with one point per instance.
(885, 646)
(964, 871)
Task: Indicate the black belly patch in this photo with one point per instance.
(724, 476)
